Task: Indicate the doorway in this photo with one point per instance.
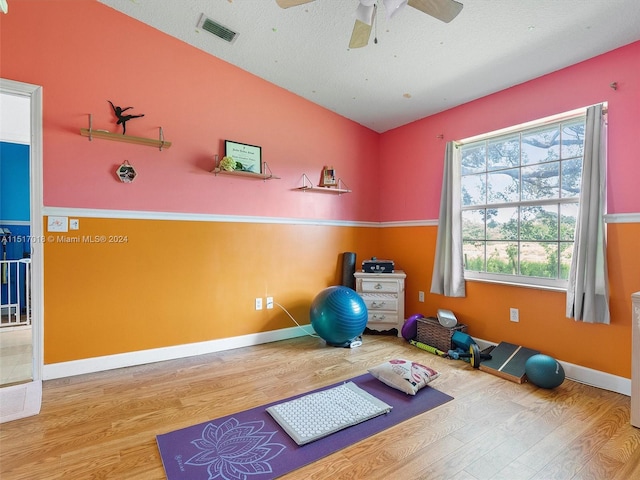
(21, 268)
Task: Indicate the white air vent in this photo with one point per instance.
(217, 29)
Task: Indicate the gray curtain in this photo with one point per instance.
(448, 269)
(588, 288)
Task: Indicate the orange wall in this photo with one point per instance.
(543, 325)
(108, 298)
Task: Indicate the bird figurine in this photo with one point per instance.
(123, 119)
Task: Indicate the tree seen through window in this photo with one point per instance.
(520, 196)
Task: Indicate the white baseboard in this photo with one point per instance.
(577, 373)
(585, 375)
(110, 362)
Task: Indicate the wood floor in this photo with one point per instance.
(103, 425)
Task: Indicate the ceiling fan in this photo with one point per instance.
(444, 10)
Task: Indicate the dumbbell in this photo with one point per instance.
(474, 355)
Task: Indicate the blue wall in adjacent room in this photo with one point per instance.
(14, 182)
(14, 210)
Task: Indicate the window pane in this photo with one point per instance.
(571, 177)
(503, 152)
(473, 256)
(541, 181)
(473, 190)
(566, 252)
(541, 145)
(473, 224)
(502, 257)
(474, 158)
(572, 139)
(502, 223)
(538, 259)
(503, 186)
(514, 187)
(539, 223)
(568, 216)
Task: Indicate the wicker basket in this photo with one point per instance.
(430, 332)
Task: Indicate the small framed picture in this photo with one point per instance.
(328, 177)
(126, 173)
(248, 158)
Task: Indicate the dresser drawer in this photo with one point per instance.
(379, 285)
(383, 294)
(382, 317)
(385, 302)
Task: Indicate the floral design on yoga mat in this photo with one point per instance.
(234, 450)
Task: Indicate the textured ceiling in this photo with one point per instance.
(419, 65)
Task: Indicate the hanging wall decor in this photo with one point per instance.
(126, 173)
(123, 119)
(248, 158)
(328, 178)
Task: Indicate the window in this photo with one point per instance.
(520, 193)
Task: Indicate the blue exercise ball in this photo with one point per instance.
(338, 315)
(544, 371)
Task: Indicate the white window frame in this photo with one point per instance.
(522, 280)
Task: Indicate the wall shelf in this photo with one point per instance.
(308, 186)
(90, 132)
(266, 175)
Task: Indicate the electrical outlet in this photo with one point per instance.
(514, 315)
(269, 303)
(421, 296)
(258, 303)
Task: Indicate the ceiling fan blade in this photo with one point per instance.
(444, 10)
(393, 6)
(292, 3)
(366, 13)
(360, 35)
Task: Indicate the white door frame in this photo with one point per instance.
(25, 399)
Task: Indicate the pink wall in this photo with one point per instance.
(199, 101)
(413, 191)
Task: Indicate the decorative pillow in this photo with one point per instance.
(404, 375)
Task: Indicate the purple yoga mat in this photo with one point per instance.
(251, 445)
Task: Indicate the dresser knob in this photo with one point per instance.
(378, 286)
(377, 305)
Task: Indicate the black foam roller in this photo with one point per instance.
(348, 269)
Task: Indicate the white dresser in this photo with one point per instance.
(635, 359)
(383, 294)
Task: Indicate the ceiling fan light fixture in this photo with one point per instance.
(393, 6)
(365, 13)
